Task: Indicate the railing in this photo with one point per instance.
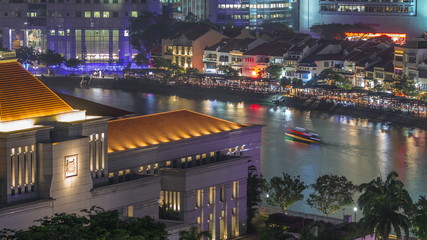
(270, 210)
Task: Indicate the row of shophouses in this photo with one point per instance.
(365, 63)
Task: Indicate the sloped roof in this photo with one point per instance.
(153, 129)
(93, 108)
(236, 44)
(197, 32)
(269, 49)
(22, 95)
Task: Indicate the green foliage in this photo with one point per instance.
(160, 62)
(26, 55)
(337, 30)
(331, 193)
(274, 71)
(141, 59)
(193, 234)
(176, 69)
(147, 31)
(284, 191)
(336, 78)
(419, 218)
(384, 204)
(73, 63)
(191, 70)
(228, 70)
(96, 224)
(284, 81)
(275, 27)
(402, 84)
(254, 191)
(51, 58)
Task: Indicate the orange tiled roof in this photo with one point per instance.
(142, 131)
(24, 96)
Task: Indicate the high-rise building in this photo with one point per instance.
(391, 16)
(246, 13)
(91, 30)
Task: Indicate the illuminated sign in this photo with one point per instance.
(398, 38)
(71, 166)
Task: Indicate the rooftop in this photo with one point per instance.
(153, 129)
(23, 96)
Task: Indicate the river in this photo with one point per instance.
(356, 148)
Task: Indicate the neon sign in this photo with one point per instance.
(398, 38)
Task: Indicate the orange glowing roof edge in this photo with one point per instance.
(46, 86)
(161, 113)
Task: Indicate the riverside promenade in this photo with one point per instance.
(381, 109)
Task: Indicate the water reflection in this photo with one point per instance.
(357, 148)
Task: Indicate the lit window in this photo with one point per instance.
(134, 14)
(106, 14)
(97, 14)
(199, 198)
(87, 14)
(130, 211)
(52, 32)
(212, 195)
(61, 33)
(235, 189)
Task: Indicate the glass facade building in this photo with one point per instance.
(245, 13)
(90, 30)
(253, 13)
(387, 16)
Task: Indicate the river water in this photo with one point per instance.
(356, 148)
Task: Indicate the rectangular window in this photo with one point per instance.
(33, 164)
(130, 211)
(105, 14)
(235, 189)
(12, 167)
(199, 201)
(97, 14)
(88, 14)
(222, 194)
(134, 14)
(212, 195)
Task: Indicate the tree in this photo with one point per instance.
(141, 59)
(337, 30)
(96, 224)
(284, 191)
(336, 78)
(419, 218)
(192, 234)
(384, 204)
(191, 71)
(254, 191)
(274, 71)
(228, 70)
(73, 63)
(331, 193)
(403, 84)
(159, 62)
(50, 58)
(26, 55)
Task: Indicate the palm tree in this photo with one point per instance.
(193, 234)
(384, 205)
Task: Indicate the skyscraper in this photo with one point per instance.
(394, 16)
(91, 30)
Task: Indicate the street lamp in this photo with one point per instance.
(355, 214)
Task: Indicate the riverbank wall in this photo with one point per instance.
(357, 112)
(148, 86)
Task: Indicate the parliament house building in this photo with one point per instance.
(55, 158)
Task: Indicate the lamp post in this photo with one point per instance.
(355, 214)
